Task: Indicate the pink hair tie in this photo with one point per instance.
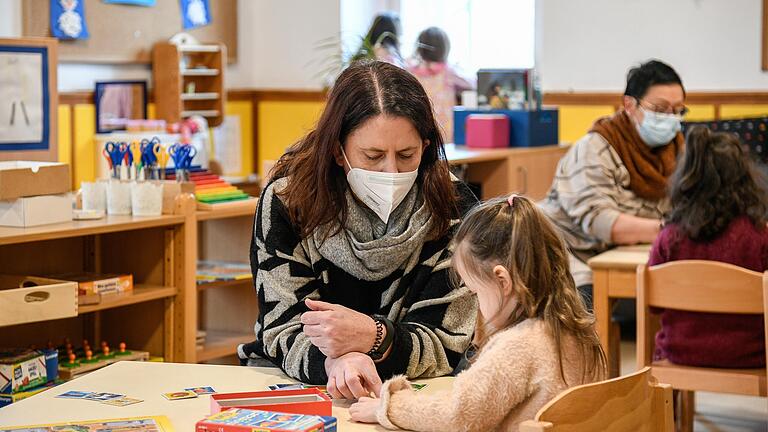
(511, 200)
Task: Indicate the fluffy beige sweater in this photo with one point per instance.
(513, 377)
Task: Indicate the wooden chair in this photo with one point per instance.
(629, 403)
(698, 286)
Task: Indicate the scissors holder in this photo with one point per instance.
(147, 198)
(118, 197)
(94, 195)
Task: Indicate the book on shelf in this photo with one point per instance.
(213, 271)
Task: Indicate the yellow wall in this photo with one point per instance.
(743, 111)
(282, 124)
(575, 120)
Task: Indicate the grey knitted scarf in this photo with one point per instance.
(371, 250)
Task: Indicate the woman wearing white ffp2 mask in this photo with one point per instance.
(382, 192)
(351, 243)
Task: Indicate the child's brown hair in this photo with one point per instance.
(514, 233)
(714, 183)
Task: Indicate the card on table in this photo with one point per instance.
(74, 394)
(180, 395)
(201, 390)
(102, 396)
(122, 401)
(290, 386)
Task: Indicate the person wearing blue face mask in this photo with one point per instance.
(611, 187)
(351, 251)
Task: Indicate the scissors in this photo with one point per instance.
(115, 153)
(182, 159)
(162, 157)
(136, 157)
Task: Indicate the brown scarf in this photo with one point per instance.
(648, 168)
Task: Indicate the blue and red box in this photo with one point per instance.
(526, 128)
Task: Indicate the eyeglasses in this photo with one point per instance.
(665, 109)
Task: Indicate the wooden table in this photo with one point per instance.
(613, 278)
(501, 171)
(148, 380)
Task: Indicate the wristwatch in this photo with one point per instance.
(383, 341)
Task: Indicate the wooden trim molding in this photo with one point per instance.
(697, 98)
(86, 97)
(765, 36)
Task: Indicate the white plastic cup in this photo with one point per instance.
(94, 195)
(118, 197)
(147, 198)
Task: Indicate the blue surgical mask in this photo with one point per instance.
(658, 129)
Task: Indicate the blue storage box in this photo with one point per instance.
(526, 128)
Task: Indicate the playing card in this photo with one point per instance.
(291, 386)
(74, 394)
(122, 401)
(102, 396)
(201, 390)
(180, 395)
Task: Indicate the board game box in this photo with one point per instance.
(245, 420)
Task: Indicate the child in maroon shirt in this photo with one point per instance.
(719, 210)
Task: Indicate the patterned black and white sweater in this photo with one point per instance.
(434, 321)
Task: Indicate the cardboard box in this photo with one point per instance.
(27, 178)
(29, 299)
(99, 284)
(245, 420)
(9, 398)
(488, 131)
(21, 370)
(305, 401)
(37, 210)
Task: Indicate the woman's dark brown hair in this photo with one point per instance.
(715, 182)
(315, 192)
(521, 238)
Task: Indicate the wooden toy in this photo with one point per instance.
(89, 362)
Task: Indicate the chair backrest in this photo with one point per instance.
(696, 286)
(634, 402)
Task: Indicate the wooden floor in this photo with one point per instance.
(715, 412)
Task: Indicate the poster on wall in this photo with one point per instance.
(195, 13)
(68, 19)
(24, 98)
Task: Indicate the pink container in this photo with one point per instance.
(487, 130)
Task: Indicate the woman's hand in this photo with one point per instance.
(352, 376)
(364, 410)
(337, 330)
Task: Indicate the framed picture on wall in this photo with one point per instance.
(28, 99)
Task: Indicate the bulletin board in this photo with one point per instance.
(28, 99)
(125, 34)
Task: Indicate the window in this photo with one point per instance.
(483, 33)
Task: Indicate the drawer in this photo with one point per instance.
(25, 299)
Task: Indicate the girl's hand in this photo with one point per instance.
(352, 376)
(364, 410)
(337, 330)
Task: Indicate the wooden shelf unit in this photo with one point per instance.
(226, 309)
(158, 316)
(175, 68)
(220, 344)
(223, 284)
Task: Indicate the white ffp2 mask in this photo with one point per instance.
(382, 192)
